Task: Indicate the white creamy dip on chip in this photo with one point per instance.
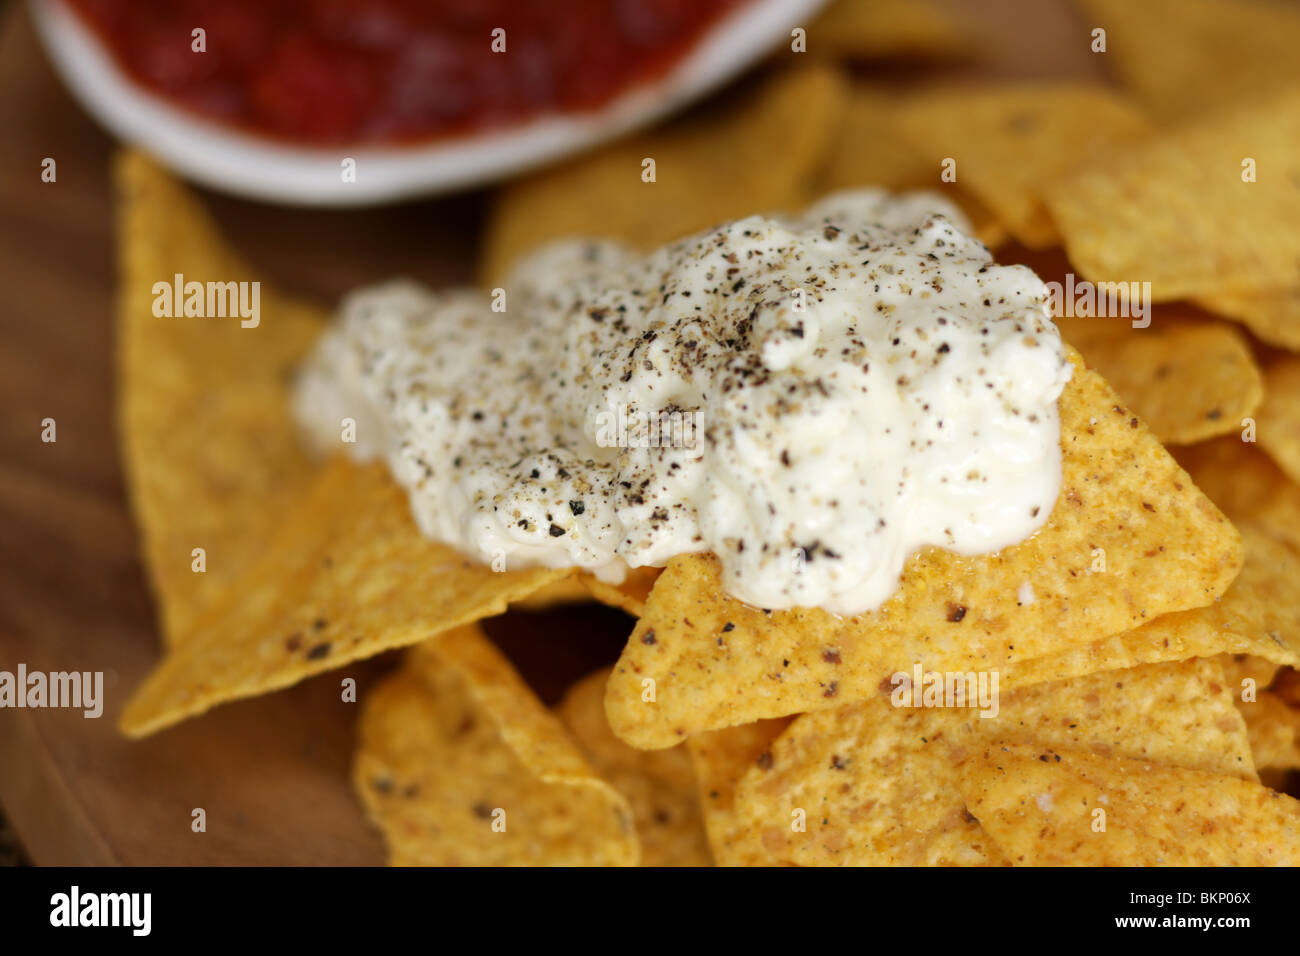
(812, 399)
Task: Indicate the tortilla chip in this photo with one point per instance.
(567, 590)
(1174, 210)
(346, 576)
(1272, 315)
(1040, 804)
(1274, 729)
(730, 163)
(1279, 416)
(1010, 142)
(1245, 483)
(454, 739)
(869, 149)
(716, 662)
(1258, 616)
(580, 587)
(209, 446)
(659, 785)
(886, 29)
(720, 759)
(630, 596)
(1187, 380)
(1186, 58)
(1238, 668)
(877, 782)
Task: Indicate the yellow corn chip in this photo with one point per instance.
(1274, 730)
(1257, 617)
(710, 169)
(876, 782)
(1238, 668)
(720, 759)
(868, 149)
(659, 785)
(1272, 315)
(1245, 483)
(1187, 380)
(567, 590)
(879, 29)
(1010, 142)
(579, 587)
(1046, 807)
(209, 446)
(346, 576)
(629, 596)
(1124, 506)
(1185, 58)
(460, 765)
(1279, 416)
(1179, 212)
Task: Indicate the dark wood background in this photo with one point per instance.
(271, 773)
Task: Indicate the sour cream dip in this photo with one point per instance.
(810, 398)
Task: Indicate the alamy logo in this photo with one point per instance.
(632, 428)
(75, 689)
(208, 300)
(74, 908)
(951, 689)
(1112, 300)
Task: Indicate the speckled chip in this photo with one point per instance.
(1130, 538)
(721, 758)
(459, 764)
(1045, 806)
(347, 575)
(659, 785)
(1188, 381)
(1007, 143)
(875, 783)
(1258, 617)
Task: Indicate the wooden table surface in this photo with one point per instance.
(271, 773)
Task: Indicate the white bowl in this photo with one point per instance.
(246, 165)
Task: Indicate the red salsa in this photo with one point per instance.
(370, 71)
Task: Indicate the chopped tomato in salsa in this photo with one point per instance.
(336, 71)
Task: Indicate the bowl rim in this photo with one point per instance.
(243, 164)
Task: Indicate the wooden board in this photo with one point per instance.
(271, 774)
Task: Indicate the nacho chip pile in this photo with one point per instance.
(1119, 689)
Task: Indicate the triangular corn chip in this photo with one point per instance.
(1187, 380)
(346, 576)
(1207, 207)
(1009, 142)
(877, 785)
(721, 758)
(208, 442)
(1130, 538)
(1246, 484)
(460, 764)
(1049, 807)
(1162, 50)
(659, 784)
